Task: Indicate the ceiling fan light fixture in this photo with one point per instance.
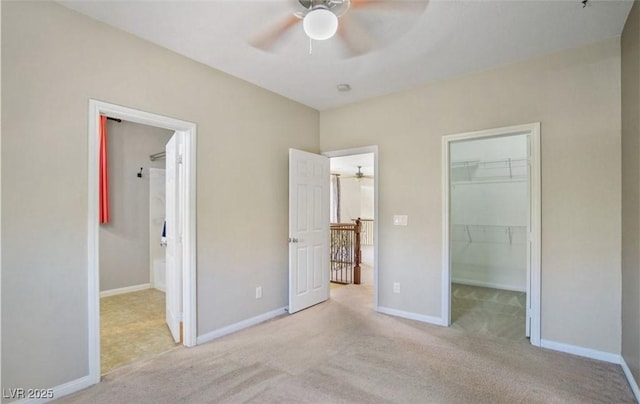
(320, 24)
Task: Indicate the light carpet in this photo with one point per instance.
(487, 311)
(341, 352)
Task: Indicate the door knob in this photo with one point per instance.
(293, 240)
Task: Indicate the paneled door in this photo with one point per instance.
(308, 229)
(174, 230)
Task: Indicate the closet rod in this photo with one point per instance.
(157, 156)
(114, 119)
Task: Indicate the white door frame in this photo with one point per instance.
(533, 130)
(364, 150)
(97, 108)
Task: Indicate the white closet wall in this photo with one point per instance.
(489, 212)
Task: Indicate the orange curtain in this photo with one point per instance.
(104, 172)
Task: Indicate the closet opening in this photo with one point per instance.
(491, 279)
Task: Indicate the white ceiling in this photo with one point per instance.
(347, 166)
(448, 38)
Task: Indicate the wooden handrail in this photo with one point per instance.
(358, 254)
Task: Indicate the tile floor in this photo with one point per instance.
(132, 328)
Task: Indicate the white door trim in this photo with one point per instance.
(363, 150)
(533, 130)
(97, 108)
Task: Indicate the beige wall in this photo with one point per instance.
(350, 199)
(631, 191)
(0, 199)
(124, 241)
(575, 94)
(55, 60)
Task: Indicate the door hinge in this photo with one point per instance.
(179, 160)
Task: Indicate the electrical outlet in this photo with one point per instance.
(396, 287)
(259, 292)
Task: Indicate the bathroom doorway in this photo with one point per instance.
(180, 235)
(132, 251)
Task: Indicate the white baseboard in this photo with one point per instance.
(482, 284)
(61, 390)
(630, 379)
(210, 336)
(127, 289)
(411, 316)
(581, 351)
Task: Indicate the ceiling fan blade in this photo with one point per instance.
(366, 177)
(395, 5)
(268, 39)
(354, 36)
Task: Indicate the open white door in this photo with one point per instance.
(528, 318)
(173, 297)
(308, 229)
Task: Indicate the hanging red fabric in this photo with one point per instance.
(104, 172)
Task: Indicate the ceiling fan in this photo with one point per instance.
(322, 19)
(359, 174)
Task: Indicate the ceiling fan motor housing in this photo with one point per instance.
(337, 7)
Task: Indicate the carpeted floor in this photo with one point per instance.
(342, 351)
(132, 327)
(487, 311)
(366, 277)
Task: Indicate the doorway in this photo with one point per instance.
(132, 255)
(354, 200)
(309, 226)
(181, 287)
(491, 232)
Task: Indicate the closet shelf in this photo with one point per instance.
(486, 233)
(490, 171)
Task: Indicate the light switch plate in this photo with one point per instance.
(400, 220)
